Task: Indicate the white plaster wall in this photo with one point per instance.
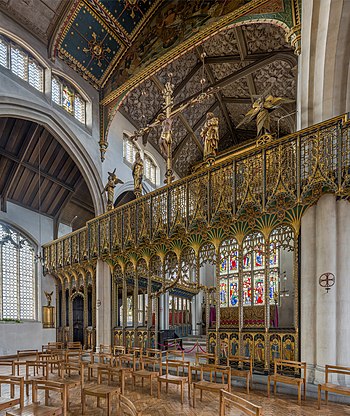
(18, 98)
(29, 335)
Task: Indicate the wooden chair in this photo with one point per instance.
(206, 358)
(147, 374)
(231, 400)
(118, 349)
(127, 407)
(177, 380)
(100, 391)
(26, 353)
(74, 345)
(71, 375)
(39, 372)
(10, 364)
(178, 360)
(37, 409)
(204, 385)
(332, 387)
(239, 370)
(12, 382)
(293, 380)
(120, 372)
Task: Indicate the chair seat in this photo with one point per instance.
(100, 389)
(145, 373)
(203, 384)
(334, 387)
(36, 410)
(286, 379)
(172, 378)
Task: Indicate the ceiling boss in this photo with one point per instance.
(96, 49)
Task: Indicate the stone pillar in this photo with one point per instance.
(70, 310)
(326, 244)
(103, 304)
(86, 309)
(342, 283)
(160, 313)
(308, 291)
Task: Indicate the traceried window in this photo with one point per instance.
(64, 95)
(21, 63)
(150, 170)
(129, 149)
(18, 277)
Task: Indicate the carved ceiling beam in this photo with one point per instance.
(82, 204)
(191, 132)
(226, 59)
(187, 78)
(243, 72)
(15, 169)
(218, 96)
(237, 100)
(34, 169)
(243, 52)
(179, 147)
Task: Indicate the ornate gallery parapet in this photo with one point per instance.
(251, 188)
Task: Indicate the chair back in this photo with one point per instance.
(105, 349)
(74, 345)
(47, 386)
(228, 399)
(175, 353)
(206, 357)
(37, 367)
(14, 382)
(26, 353)
(127, 407)
(287, 366)
(8, 363)
(178, 363)
(214, 372)
(71, 367)
(242, 362)
(118, 349)
(336, 369)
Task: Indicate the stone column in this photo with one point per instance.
(342, 283)
(326, 244)
(308, 290)
(103, 304)
(86, 308)
(70, 310)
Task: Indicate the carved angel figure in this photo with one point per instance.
(48, 297)
(137, 173)
(109, 188)
(210, 134)
(261, 110)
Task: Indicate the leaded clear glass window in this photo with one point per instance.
(64, 95)
(18, 278)
(129, 149)
(150, 169)
(21, 63)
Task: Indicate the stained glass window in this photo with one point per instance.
(273, 255)
(65, 96)
(259, 260)
(246, 262)
(17, 282)
(67, 99)
(233, 291)
(223, 266)
(233, 265)
(247, 289)
(273, 287)
(223, 292)
(259, 281)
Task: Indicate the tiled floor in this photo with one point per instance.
(169, 404)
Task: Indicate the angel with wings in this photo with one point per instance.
(109, 188)
(48, 297)
(261, 110)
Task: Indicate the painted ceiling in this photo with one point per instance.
(258, 51)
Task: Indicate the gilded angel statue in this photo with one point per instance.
(109, 188)
(261, 110)
(48, 297)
